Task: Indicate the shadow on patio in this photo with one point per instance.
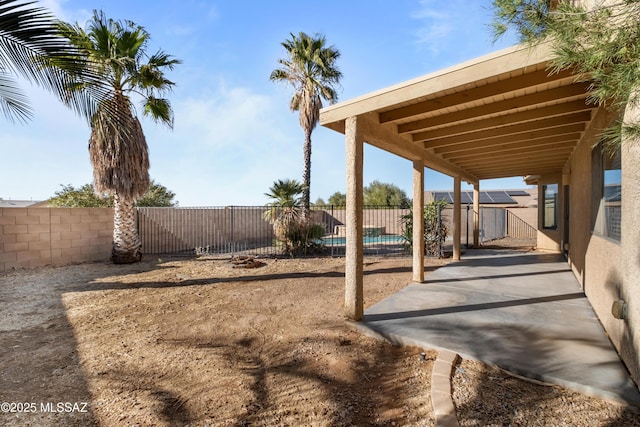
(522, 311)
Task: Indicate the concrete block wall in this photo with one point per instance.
(34, 237)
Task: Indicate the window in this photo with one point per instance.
(550, 209)
(612, 194)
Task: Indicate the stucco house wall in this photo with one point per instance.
(629, 262)
(606, 269)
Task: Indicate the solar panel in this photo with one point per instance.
(466, 197)
(486, 197)
(442, 195)
(518, 193)
(500, 197)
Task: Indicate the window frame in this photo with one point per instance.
(553, 204)
(611, 197)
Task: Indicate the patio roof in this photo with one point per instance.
(497, 116)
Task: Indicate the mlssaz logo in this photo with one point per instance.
(66, 407)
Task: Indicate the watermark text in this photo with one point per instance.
(35, 407)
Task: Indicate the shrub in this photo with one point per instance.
(435, 230)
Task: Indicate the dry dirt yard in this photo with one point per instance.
(196, 342)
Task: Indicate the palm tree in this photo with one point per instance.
(30, 44)
(117, 148)
(285, 193)
(285, 213)
(310, 68)
(285, 204)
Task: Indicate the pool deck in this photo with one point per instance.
(522, 311)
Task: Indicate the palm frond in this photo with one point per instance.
(159, 110)
(14, 104)
(28, 39)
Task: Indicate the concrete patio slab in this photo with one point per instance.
(522, 311)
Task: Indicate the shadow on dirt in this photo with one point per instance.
(279, 379)
(517, 402)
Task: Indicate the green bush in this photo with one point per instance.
(435, 230)
(302, 237)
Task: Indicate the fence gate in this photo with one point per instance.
(493, 223)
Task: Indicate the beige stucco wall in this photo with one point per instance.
(606, 269)
(581, 200)
(630, 259)
(33, 237)
(603, 283)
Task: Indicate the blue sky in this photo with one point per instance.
(234, 134)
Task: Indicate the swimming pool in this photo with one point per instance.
(385, 238)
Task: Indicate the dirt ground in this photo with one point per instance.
(198, 342)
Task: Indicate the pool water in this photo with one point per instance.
(385, 238)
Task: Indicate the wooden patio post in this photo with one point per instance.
(476, 215)
(418, 222)
(354, 302)
(456, 218)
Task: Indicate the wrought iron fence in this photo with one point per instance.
(517, 227)
(234, 230)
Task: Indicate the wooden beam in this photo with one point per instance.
(466, 95)
(507, 172)
(558, 159)
(512, 153)
(514, 158)
(516, 163)
(537, 129)
(385, 139)
(499, 148)
(545, 111)
(555, 95)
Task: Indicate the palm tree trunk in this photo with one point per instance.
(127, 247)
(306, 174)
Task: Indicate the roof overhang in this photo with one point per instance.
(497, 116)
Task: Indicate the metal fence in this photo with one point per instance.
(517, 227)
(235, 230)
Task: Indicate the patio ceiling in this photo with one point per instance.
(497, 116)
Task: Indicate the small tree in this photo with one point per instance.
(338, 199)
(381, 194)
(157, 196)
(85, 197)
(294, 230)
(81, 197)
(435, 230)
